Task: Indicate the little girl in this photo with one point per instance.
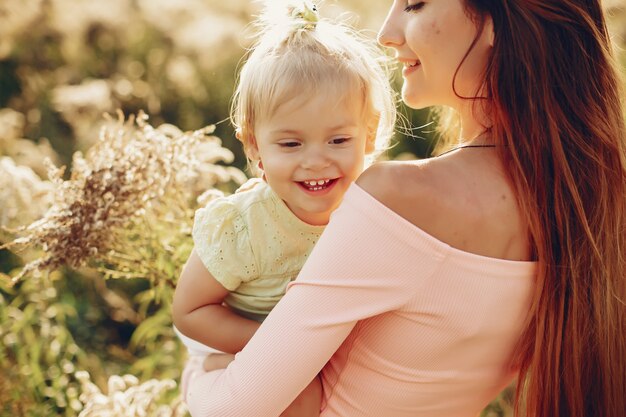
(312, 102)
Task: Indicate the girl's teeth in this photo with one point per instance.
(316, 185)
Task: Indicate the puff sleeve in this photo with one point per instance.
(221, 239)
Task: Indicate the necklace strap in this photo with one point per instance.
(466, 146)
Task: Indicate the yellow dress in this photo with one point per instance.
(253, 245)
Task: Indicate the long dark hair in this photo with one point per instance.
(555, 99)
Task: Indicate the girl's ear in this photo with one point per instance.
(370, 140)
(252, 151)
(370, 144)
(250, 146)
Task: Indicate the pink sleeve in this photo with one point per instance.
(360, 268)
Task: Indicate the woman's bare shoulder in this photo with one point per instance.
(468, 206)
(409, 188)
(398, 184)
(389, 181)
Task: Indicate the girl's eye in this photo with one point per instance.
(414, 7)
(339, 141)
(291, 144)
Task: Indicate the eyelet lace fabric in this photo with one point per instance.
(253, 245)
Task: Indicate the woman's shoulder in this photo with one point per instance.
(471, 208)
(407, 188)
(398, 183)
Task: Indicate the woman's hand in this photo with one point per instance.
(308, 403)
(217, 361)
(193, 368)
(197, 365)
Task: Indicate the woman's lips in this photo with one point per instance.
(409, 68)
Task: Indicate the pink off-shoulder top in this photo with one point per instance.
(398, 323)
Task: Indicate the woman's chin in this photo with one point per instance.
(414, 97)
(414, 101)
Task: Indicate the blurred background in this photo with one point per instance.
(70, 336)
(63, 63)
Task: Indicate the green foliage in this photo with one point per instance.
(38, 352)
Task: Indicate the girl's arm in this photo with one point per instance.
(199, 313)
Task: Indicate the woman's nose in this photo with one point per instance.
(390, 34)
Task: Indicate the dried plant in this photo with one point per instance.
(127, 208)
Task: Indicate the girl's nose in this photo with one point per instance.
(315, 160)
(390, 34)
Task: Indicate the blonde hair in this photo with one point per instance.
(298, 53)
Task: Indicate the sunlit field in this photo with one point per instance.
(113, 130)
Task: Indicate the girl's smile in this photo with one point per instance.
(311, 149)
(318, 187)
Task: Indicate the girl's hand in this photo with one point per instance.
(217, 361)
(308, 403)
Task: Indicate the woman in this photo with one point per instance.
(438, 281)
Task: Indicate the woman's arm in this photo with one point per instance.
(199, 314)
(350, 275)
(273, 369)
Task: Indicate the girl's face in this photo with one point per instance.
(430, 39)
(311, 149)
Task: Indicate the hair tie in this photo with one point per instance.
(307, 14)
